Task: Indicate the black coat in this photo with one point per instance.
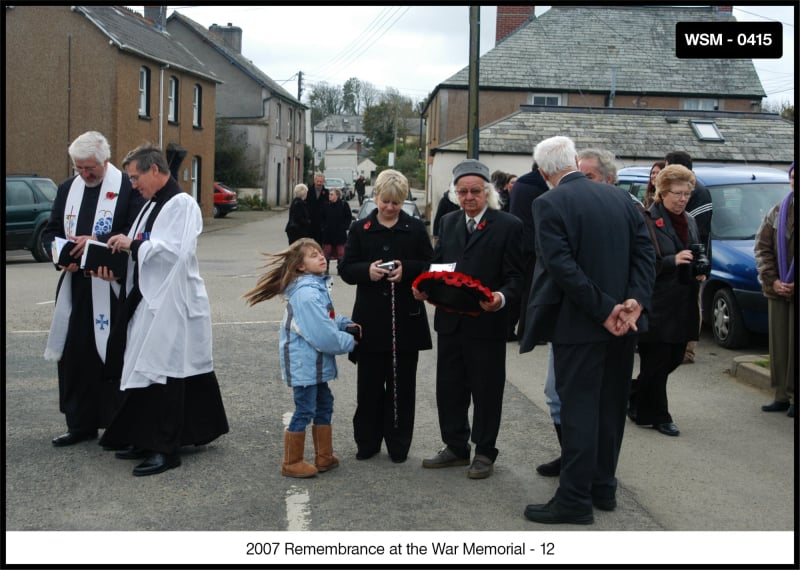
(336, 223)
(445, 207)
(408, 242)
(317, 204)
(299, 223)
(674, 316)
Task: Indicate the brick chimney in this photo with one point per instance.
(157, 15)
(510, 19)
(230, 34)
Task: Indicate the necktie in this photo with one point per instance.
(471, 225)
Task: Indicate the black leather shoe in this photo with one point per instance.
(775, 407)
(398, 458)
(790, 411)
(157, 463)
(604, 504)
(552, 469)
(361, 455)
(132, 452)
(73, 437)
(551, 513)
(667, 428)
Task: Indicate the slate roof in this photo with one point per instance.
(132, 33)
(341, 124)
(235, 58)
(639, 133)
(573, 48)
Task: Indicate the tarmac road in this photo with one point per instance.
(732, 468)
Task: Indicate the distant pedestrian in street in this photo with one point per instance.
(338, 218)
(317, 204)
(311, 336)
(657, 167)
(299, 223)
(775, 260)
(361, 188)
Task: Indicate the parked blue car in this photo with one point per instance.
(731, 299)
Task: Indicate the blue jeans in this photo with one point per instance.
(311, 403)
(551, 396)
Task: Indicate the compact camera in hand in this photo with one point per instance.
(388, 265)
(700, 265)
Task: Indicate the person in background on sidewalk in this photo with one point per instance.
(106, 205)
(594, 276)
(448, 203)
(317, 204)
(650, 192)
(485, 244)
(338, 218)
(701, 209)
(361, 188)
(775, 260)
(311, 336)
(299, 223)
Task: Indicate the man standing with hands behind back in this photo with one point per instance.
(471, 359)
(595, 268)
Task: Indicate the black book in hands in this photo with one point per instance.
(60, 250)
(97, 254)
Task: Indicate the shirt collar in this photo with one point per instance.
(479, 217)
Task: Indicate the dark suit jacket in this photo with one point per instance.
(493, 255)
(526, 189)
(593, 251)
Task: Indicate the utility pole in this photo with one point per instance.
(299, 85)
(472, 104)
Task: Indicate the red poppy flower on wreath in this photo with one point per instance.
(111, 195)
(482, 225)
(367, 225)
(660, 222)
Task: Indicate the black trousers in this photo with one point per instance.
(469, 369)
(385, 411)
(592, 381)
(649, 391)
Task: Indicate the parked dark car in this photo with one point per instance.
(225, 200)
(409, 208)
(731, 298)
(347, 190)
(29, 199)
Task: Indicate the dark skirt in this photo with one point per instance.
(164, 417)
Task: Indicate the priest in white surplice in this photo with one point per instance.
(95, 203)
(171, 394)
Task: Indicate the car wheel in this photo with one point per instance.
(39, 249)
(727, 322)
(217, 213)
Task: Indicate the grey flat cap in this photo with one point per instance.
(470, 167)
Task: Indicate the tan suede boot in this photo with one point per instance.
(293, 448)
(323, 448)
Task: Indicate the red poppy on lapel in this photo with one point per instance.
(660, 222)
(111, 195)
(367, 225)
(481, 225)
(332, 314)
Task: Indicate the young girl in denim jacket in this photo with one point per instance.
(311, 336)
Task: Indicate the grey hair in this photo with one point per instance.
(145, 156)
(492, 195)
(300, 190)
(605, 162)
(555, 154)
(90, 144)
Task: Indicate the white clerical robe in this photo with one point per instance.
(169, 334)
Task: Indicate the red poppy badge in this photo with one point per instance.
(660, 222)
(481, 225)
(111, 195)
(367, 225)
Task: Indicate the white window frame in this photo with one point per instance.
(700, 104)
(197, 105)
(144, 91)
(195, 168)
(546, 96)
(172, 100)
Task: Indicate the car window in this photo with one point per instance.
(739, 209)
(18, 193)
(47, 187)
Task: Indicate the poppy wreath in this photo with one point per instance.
(453, 291)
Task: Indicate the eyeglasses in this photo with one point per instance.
(474, 191)
(86, 168)
(686, 195)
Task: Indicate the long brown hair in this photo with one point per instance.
(282, 269)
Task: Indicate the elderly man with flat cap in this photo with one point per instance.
(485, 243)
